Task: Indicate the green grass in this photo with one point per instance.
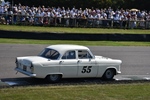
(72, 30)
(86, 43)
(139, 91)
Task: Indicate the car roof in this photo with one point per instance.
(65, 47)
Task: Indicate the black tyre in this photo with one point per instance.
(109, 74)
(54, 78)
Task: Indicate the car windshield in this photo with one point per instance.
(50, 54)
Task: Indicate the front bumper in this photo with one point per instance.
(25, 72)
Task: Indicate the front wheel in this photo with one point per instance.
(54, 78)
(109, 74)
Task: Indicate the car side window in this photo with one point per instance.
(84, 54)
(69, 55)
(50, 54)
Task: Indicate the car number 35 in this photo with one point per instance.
(86, 69)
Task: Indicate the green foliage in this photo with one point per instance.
(141, 4)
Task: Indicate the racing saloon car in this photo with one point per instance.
(68, 61)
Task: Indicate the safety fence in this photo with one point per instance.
(73, 22)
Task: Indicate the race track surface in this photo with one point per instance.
(136, 60)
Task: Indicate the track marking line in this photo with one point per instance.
(147, 78)
(12, 83)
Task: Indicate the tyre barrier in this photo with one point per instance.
(74, 36)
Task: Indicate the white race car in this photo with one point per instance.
(67, 61)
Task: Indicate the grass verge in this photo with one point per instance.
(139, 91)
(72, 30)
(86, 43)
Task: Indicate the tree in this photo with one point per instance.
(140, 4)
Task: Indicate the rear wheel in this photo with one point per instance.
(109, 74)
(54, 78)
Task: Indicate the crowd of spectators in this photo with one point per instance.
(41, 14)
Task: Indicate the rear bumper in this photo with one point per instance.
(25, 72)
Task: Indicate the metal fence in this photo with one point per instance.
(73, 22)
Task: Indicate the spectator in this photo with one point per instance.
(41, 14)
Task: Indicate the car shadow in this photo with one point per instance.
(27, 81)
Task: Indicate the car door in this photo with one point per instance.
(68, 64)
(87, 66)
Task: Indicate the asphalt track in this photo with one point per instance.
(135, 66)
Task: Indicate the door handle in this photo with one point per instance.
(61, 62)
(79, 61)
